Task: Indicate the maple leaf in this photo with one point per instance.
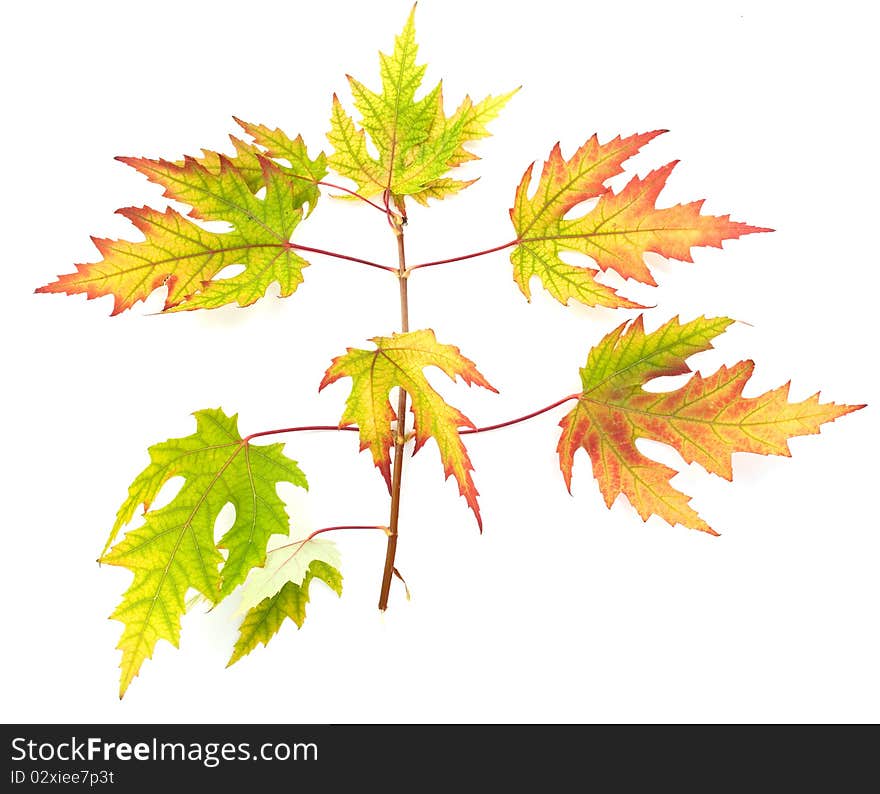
(417, 143)
(616, 233)
(280, 590)
(175, 549)
(705, 421)
(398, 361)
(276, 145)
(185, 256)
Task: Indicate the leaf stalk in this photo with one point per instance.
(303, 541)
(517, 420)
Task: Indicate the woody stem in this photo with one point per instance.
(400, 437)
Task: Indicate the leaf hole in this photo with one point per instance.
(581, 209)
(217, 227)
(222, 525)
(167, 492)
(230, 271)
(667, 383)
(577, 258)
(661, 453)
(261, 193)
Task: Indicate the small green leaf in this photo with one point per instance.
(263, 621)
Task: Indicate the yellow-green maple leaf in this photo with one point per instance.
(705, 421)
(399, 361)
(417, 143)
(184, 256)
(616, 233)
(175, 550)
(289, 155)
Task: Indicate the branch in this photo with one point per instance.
(397, 474)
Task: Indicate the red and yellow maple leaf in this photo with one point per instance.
(706, 420)
(186, 257)
(399, 361)
(616, 233)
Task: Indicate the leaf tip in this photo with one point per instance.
(844, 408)
(325, 381)
(131, 162)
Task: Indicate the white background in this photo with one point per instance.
(562, 610)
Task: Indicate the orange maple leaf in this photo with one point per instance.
(706, 420)
(616, 233)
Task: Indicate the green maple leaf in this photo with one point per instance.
(417, 143)
(289, 155)
(280, 590)
(175, 549)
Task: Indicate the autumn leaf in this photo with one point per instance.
(399, 361)
(417, 143)
(246, 162)
(289, 155)
(616, 233)
(175, 550)
(294, 158)
(280, 590)
(184, 256)
(705, 421)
